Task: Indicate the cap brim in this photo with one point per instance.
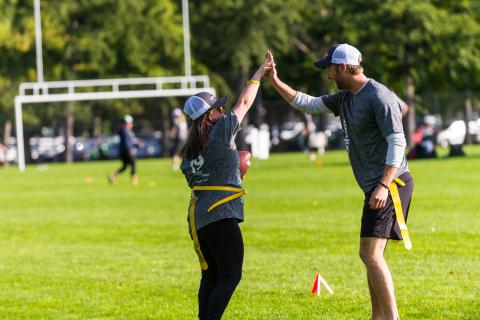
(322, 64)
(220, 102)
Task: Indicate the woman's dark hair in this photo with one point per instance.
(197, 137)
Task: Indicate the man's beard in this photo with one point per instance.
(340, 85)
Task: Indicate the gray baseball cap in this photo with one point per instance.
(200, 103)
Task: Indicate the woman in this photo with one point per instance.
(212, 169)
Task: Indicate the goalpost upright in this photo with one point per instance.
(151, 87)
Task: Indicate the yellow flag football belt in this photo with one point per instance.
(397, 204)
(238, 192)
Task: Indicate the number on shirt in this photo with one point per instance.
(197, 164)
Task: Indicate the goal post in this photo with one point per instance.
(102, 89)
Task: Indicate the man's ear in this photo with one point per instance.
(343, 67)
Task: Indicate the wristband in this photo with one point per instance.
(384, 185)
(251, 81)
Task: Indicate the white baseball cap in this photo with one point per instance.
(200, 103)
(128, 118)
(340, 53)
(176, 112)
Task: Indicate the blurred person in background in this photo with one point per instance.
(179, 134)
(211, 165)
(371, 118)
(4, 151)
(311, 145)
(424, 140)
(128, 150)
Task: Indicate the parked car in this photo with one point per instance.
(52, 149)
(453, 135)
(288, 137)
(44, 149)
(455, 132)
(474, 130)
(149, 148)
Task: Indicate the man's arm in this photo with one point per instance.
(378, 199)
(403, 106)
(281, 87)
(395, 154)
(404, 109)
(296, 99)
(388, 176)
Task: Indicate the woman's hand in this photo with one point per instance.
(265, 67)
(246, 98)
(271, 73)
(282, 88)
(268, 64)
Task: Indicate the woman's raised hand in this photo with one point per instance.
(267, 65)
(269, 68)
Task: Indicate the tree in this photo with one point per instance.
(88, 39)
(405, 43)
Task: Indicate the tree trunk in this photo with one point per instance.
(97, 126)
(69, 133)
(7, 133)
(467, 115)
(166, 145)
(259, 110)
(410, 119)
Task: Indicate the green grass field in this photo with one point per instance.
(76, 250)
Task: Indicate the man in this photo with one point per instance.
(371, 117)
(128, 149)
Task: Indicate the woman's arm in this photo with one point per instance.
(248, 94)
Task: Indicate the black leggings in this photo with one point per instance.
(222, 246)
(127, 160)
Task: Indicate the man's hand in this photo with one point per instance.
(272, 73)
(378, 199)
(283, 89)
(265, 67)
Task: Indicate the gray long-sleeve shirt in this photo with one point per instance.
(368, 117)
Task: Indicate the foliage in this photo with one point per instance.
(435, 42)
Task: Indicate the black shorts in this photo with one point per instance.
(383, 222)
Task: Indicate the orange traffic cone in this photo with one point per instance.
(316, 285)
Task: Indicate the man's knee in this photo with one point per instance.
(371, 250)
(370, 258)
